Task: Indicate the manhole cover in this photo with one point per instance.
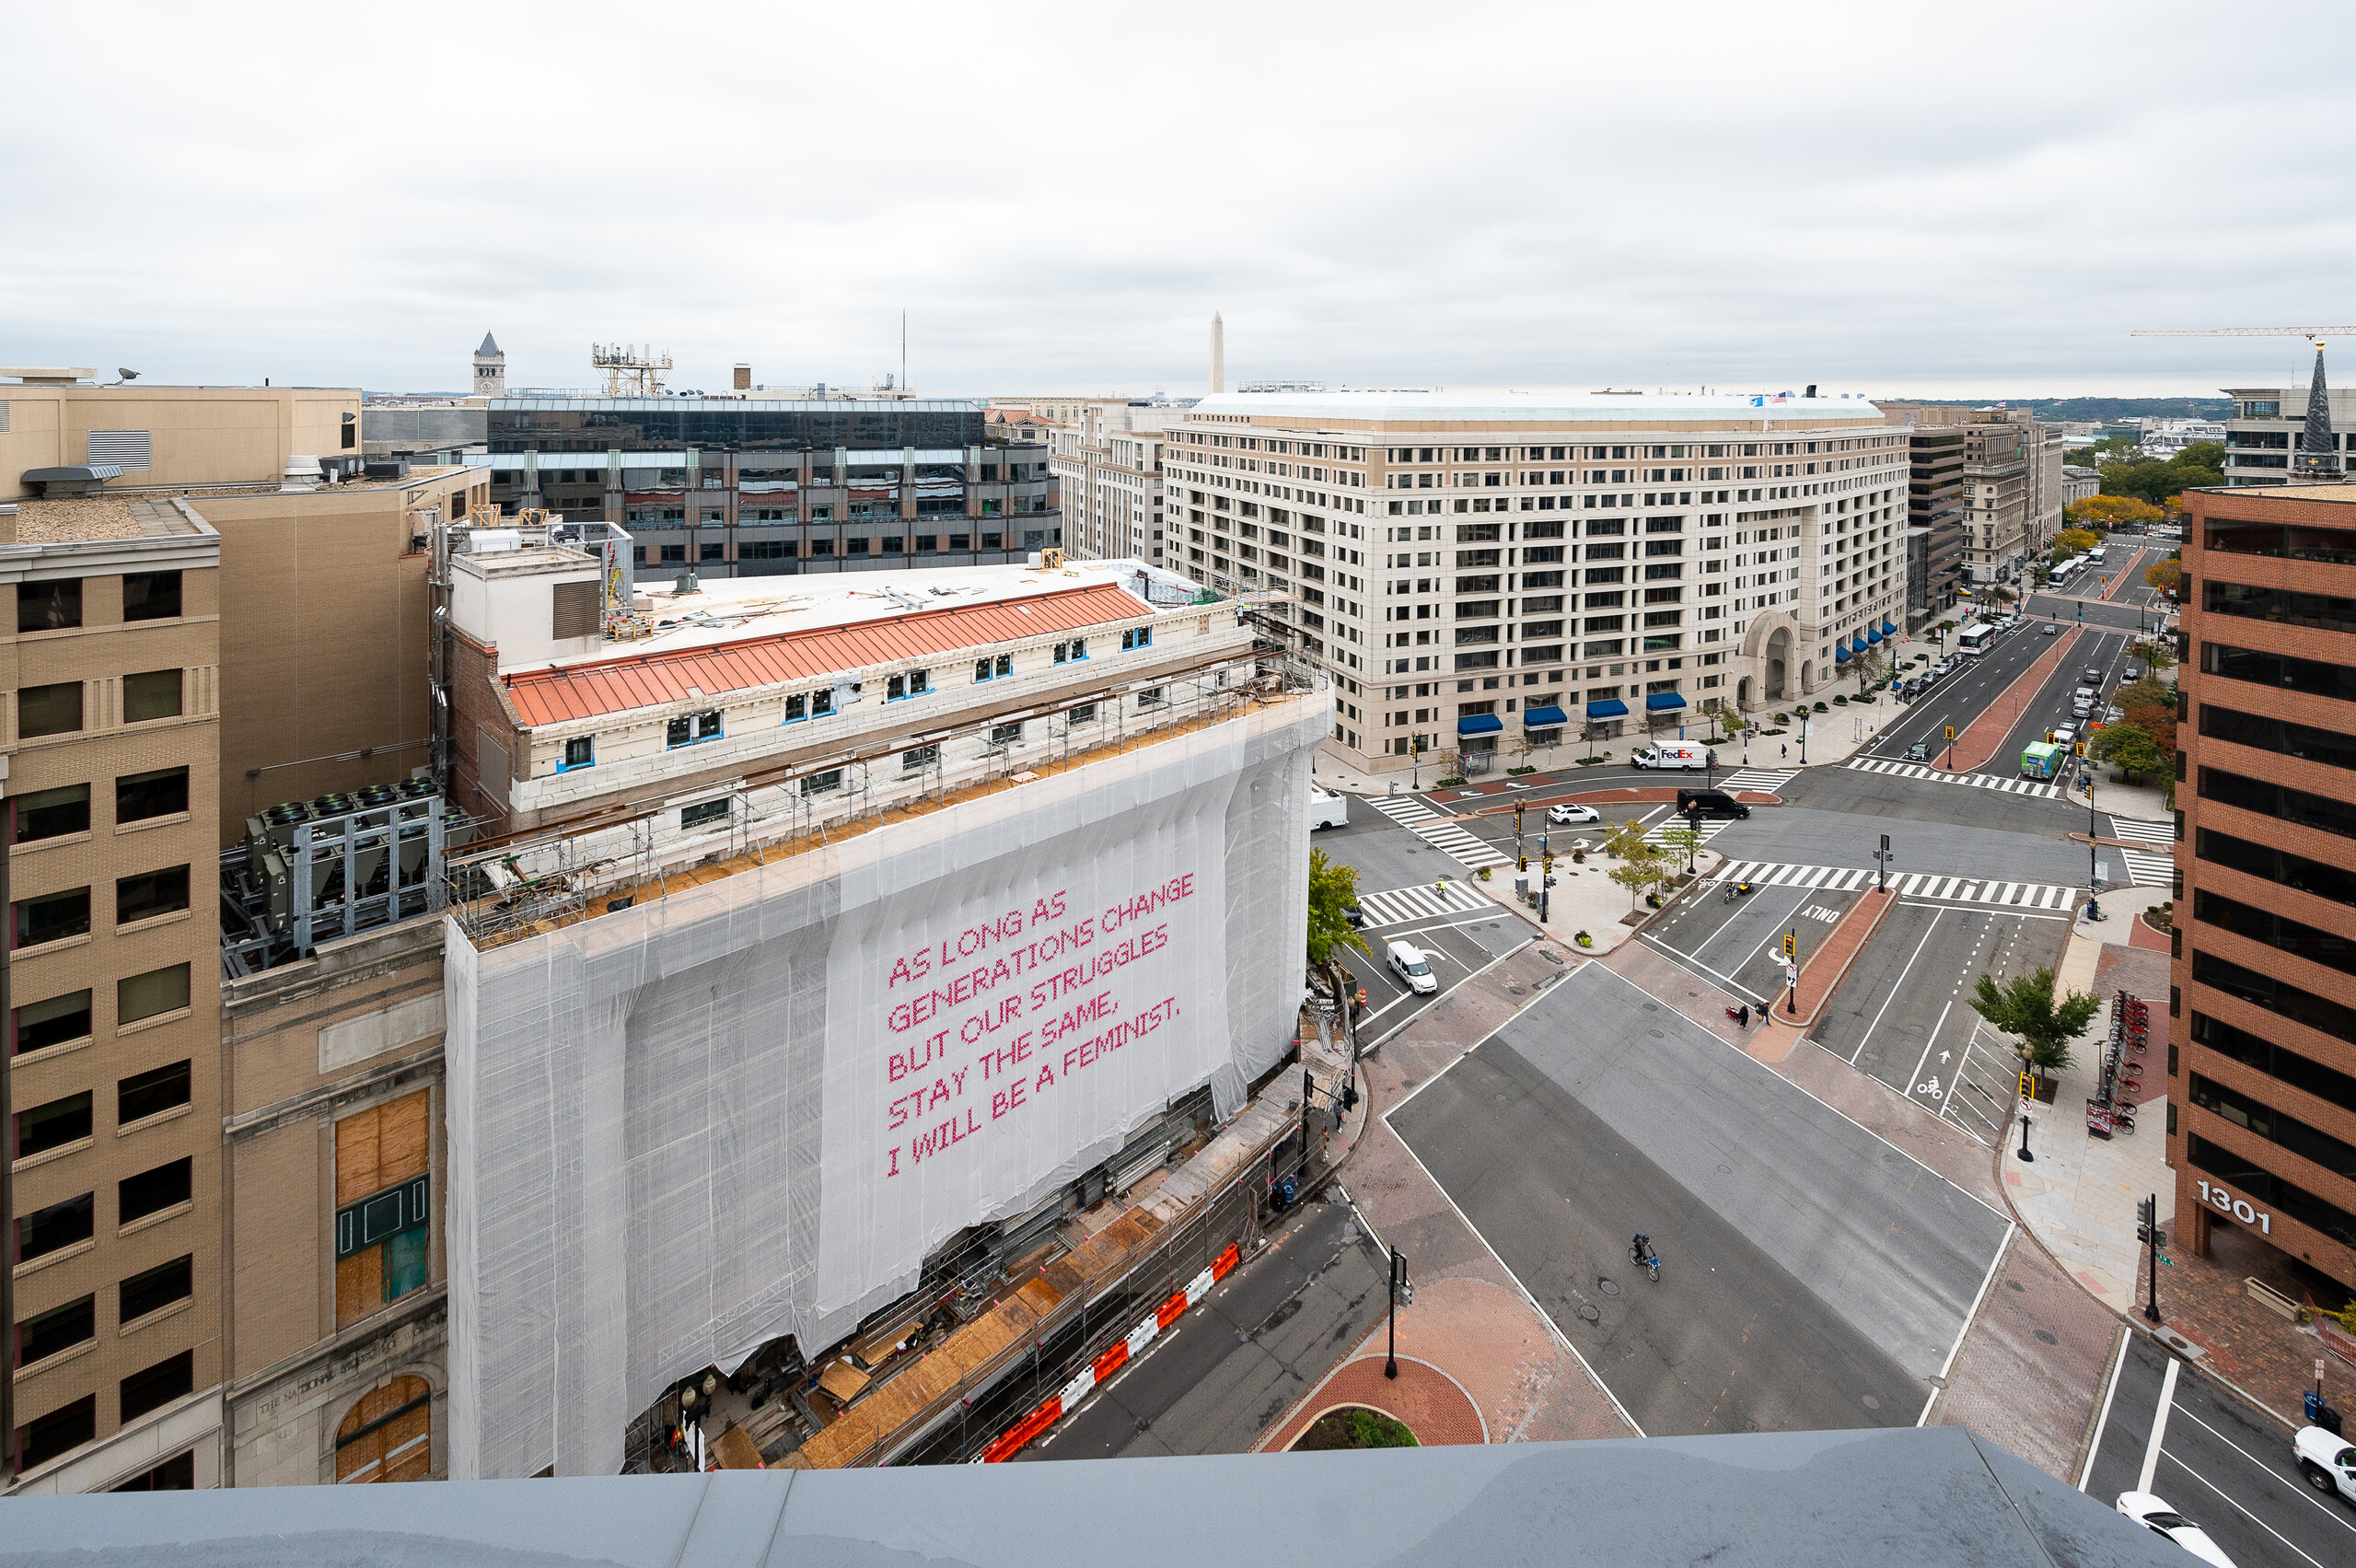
(1656, 1034)
(2044, 1338)
(1725, 1170)
(1590, 1314)
(1610, 1287)
(1652, 1006)
(1871, 1403)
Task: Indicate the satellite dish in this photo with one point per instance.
(127, 374)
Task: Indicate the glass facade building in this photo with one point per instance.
(734, 487)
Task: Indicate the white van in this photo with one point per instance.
(1693, 758)
(1328, 809)
(1408, 961)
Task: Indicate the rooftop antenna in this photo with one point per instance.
(903, 351)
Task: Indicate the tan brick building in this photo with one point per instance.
(294, 1118)
(112, 1093)
(2263, 993)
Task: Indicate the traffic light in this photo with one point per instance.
(1523, 864)
(1549, 865)
(1790, 945)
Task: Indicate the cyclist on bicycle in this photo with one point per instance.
(1641, 1246)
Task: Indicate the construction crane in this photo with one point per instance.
(2318, 334)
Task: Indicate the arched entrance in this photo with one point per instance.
(1778, 645)
(388, 1435)
(1742, 693)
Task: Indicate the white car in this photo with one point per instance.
(2328, 1461)
(1408, 961)
(2148, 1511)
(2063, 734)
(1560, 815)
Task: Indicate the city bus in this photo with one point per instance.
(1974, 640)
(2094, 556)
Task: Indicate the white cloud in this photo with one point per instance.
(1874, 199)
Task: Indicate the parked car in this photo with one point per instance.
(1566, 812)
(1408, 961)
(2326, 1460)
(2147, 1510)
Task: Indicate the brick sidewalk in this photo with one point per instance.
(1981, 738)
(1436, 1408)
(2266, 1356)
(1822, 974)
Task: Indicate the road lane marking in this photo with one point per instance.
(2297, 1483)
(2012, 1229)
(1894, 988)
(2159, 1425)
(2117, 1367)
(2221, 1492)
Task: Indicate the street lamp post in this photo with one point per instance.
(2023, 1152)
(1399, 1273)
(1692, 833)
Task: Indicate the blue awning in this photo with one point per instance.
(1543, 718)
(1660, 701)
(1610, 708)
(1872, 634)
(1479, 723)
(1857, 645)
(1889, 629)
(1840, 655)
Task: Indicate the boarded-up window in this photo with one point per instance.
(577, 609)
(126, 448)
(388, 1435)
(383, 1211)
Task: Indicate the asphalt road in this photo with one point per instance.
(1231, 1367)
(2221, 1463)
(1903, 1012)
(1458, 929)
(1813, 1276)
(1962, 696)
(2050, 705)
(1928, 800)
(1739, 944)
(1810, 835)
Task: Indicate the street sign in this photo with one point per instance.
(1791, 974)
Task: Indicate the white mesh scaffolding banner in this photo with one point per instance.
(750, 1108)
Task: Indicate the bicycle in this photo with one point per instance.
(1646, 1259)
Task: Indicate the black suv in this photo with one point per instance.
(1709, 803)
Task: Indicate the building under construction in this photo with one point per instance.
(828, 943)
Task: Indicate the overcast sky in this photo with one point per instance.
(1884, 199)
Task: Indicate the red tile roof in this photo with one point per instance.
(653, 680)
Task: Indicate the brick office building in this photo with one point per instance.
(2264, 976)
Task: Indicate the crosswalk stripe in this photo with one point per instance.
(1398, 905)
(2030, 787)
(1911, 885)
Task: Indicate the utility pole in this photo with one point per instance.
(1883, 861)
(2148, 1213)
(1308, 1089)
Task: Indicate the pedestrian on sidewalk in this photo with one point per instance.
(1785, 749)
(1742, 1015)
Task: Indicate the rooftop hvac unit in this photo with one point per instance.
(386, 468)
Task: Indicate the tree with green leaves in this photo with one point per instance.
(1333, 891)
(2129, 748)
(1641, 864)
(2027, 1008)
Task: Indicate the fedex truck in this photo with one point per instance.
(1693, 758)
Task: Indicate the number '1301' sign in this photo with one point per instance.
(2224, 1203)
